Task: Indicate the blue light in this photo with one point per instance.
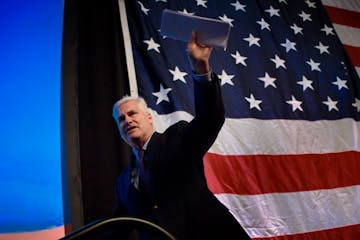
(30, 65)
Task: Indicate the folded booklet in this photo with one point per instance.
(178, 26)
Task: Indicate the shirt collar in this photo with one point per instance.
(136, 151)
(147, 142)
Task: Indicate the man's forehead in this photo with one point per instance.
(129, 106)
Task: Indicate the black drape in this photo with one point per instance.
(94, 76)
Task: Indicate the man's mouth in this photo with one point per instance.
(130, 128)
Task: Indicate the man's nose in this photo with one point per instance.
(127, 121)
(124, 123)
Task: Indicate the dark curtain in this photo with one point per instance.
(94, 76)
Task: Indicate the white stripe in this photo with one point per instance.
(358, 70)
(352, 5)
(250, 136)
(279, 214)
(162, 122)
(128, 49)
(254, 136)
(348, 35)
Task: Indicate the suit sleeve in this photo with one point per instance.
(119, 211)
(119, 208)
(202, 131)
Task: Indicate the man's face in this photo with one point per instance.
(135, 124)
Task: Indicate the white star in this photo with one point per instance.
(253, 102)
(268, 80)
(322, 48)
(327, 30)
(225, 78)
(184, 11)
(278, 62)
(252, 40)
(310, 4)
(201, 3)
(264, 24)
(331, 104)
(295, 104)
(305, 16)
(239, 58)
(239, 6)
(226, 19)
(273, 11)
(289, 45)
(296, 29)
(305, 83)
(340, 83)
(178, 75)
(162, 94)
(314, 65)
(143, 8)
(152, 45)
(357, 104)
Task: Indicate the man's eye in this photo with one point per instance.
(132, 113)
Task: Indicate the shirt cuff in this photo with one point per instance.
(202, 78)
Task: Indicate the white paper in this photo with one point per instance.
(178, 26)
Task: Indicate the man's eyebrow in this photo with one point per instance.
(132, 111)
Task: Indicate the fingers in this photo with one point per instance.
(194, 41)
(197, 50)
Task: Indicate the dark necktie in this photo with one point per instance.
(143, 174)
(142, 161)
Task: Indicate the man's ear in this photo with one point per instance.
(150, 117)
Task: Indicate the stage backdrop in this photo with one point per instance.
(286, 161)
(30, 178)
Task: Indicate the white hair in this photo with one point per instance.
(126, 98)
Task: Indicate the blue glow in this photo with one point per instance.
(30, 71)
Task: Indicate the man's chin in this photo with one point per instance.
(133, 138)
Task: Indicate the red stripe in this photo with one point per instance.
(354, 54)
(343, 233)
(343, 17)
(257, 174)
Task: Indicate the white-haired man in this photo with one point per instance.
(165, 182)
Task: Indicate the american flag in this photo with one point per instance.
(286, 162)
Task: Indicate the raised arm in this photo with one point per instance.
(202, 131)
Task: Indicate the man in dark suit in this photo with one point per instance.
(165, 182)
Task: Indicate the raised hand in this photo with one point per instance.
(199, 55)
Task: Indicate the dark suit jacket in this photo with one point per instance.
(180, 200)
